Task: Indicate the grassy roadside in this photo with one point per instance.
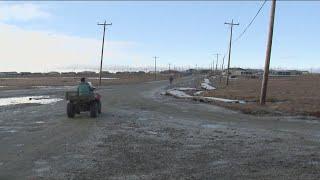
(298, 95)
(31, 82)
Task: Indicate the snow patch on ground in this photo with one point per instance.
(206, 86)
(185, 89)
(198, 93)
(178, 94)
(213, 126)
(210, 99)
(28, 100)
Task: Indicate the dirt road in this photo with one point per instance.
(142, 135)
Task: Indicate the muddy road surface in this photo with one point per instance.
(143, 135)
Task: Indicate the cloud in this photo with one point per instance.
(26, 50)
(22, 12)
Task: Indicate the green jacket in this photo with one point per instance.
(84, 89)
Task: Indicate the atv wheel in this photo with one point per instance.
(99, 107)
(93, 109)
(70, 110)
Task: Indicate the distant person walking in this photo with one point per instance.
(171, 80)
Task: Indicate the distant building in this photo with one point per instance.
(191, 71)
(9, 74)
(37, 74)
(105, 73)
(243, 72)
(87, 73)
(235, 71)
(285, 72)
(25, 73)
(2, 74)
(53, 73)
(68, 74)
(169, 72)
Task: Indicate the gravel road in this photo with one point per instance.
(143, 135)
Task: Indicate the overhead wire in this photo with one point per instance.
(251, 22)
(247, 27)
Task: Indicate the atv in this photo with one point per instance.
(87, 103)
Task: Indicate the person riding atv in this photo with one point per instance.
(85, 88)
(82, 100)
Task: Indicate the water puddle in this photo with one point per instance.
(213, 126)
(40, 122)
(142, 119)
(105, 78)
(6, 129)
(152, 132)
(41, 167)
(28, 100)
(55, 87)
(219, 163)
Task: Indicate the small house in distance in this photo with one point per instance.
(87, 73)
(68, 74)
(9, 74)
(243, 72)
(52, 74)
(25, 74)
(286, 73)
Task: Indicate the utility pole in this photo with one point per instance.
(104, 31)
(222, 67)
(169, 67)
(268, 55)
(217, 61)
(222, 63)
(231, 28)
(212, 70)
(155, 67)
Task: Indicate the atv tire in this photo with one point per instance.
(70, 110)
(93, 109)
(99, 107)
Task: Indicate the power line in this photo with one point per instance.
(244, 31)
(247, 27)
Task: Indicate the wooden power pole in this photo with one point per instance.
(217, 61)
(222, 63)
(222, 67)
(231, 28)
(268, 55)
(104, 31)
(155, 67)
(212, 70)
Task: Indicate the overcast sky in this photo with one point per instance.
(47, 36)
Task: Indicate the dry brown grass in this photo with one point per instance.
(30, 82)
(299, 95)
